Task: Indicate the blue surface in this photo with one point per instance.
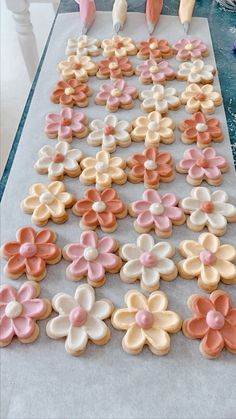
(223, 31)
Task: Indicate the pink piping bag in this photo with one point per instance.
(153, 11)
(87, 13)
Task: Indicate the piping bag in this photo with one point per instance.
(87, 13)
(119, 14)
(153, 11)
(185, 13)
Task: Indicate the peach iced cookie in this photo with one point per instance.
(114, 68)
(20, 310)
(154, 49)
(66, 124)
(201, 130)
(207, 260)
(146, 322)
(79, 68)
(198, 98)
(153, 129)
(80, 319)
(30, 253)
(71, 93)
(116, 95)
(120, 46)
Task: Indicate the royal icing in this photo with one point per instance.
(160, 98)
(146, 321)
(114, 68)
(84, 45)
(91, 257)
(87, 13)
(154, 49)
(196, 72)
(47, 201)
(30, 253)
(209, 209)
(59, 160)
(77, 67)
(70, 93)
(148, 262)
(208, 260)
(66, 124)
(20, 309)
(199, 98)
(116, 94)
(201, 130)
(154, 129)
(100, 208)
(151, 72)
(103, 170)
(80, 318)
(120, 46)
(190, 50)
(109, 133)
(214, 322)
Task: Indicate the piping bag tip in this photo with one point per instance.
(84, 30)
(186, 27)
(150, 27)
(117, 27)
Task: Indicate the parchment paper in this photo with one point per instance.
(40, 380)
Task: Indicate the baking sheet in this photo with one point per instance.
(41, 380)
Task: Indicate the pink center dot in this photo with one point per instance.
(200, 96)
(58, 158)
(28, 250)
(109, 130)
(202, 163)
(207, 258)
(118, 44)
(144, 319)
(76, 66)
(66, 121)
(207, 206)
(148, 259)
(215, 320)
(78, 316)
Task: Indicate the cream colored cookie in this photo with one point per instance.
(153, 129)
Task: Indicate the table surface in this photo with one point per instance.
(222, 25)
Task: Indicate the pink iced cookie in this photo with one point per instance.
(190, 50)
(156, 212)
(91, 258)
(20, 309)
(202, 165)
(116, 95)
(66, 124)
(152, 72)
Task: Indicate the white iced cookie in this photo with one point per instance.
(153, 129)
(109, 133)
(120, 46)
(80, 318)
(84, 45)
(196, 72)
(208, 209)
(148, 262)
(160, 98)
(59, 160)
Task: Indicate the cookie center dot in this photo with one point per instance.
(201, 127)
(200, 97)
(150, 165)
(207, 206)
(206, 257)
(144, 319)
(153, 126)
(189, 46)
(69, 91)
(116, 92)
(81, 44)
(215, 320)
(194, 69)
(28, 250)
(13, 309)
(202, 163)
(90, 253)
(153, 45)
(118, 44)
(113, 66)
(46, 198)
(156, 209)
(66, 121)
(76, 66)
(99, 206)
(58, 158)
(148, 259)
(154, 69)
(158, 96)
(109, 130)
(101, 166)
(78, 316)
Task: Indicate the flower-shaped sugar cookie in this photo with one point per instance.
(200, 130)
(59, 160)
(70, 93)
(190, 50)
(109, 133)
(47, 202)
(151, 72)
(154, 49)
(84, 45)
(208, 209)
(115, 68)
(79, 68)
(148, 262)
(120, 46)
(100, 209)
(66, 124)
(198, 98)
(30, 253)
(202, 165)
(80, 318)
(150, 167)
(147, 321)
(208, 261)
(160, 98)
(20, 310)
(213, 321)
(116, 95)
(157, 212)
(196, 72)
(103, 170)
(154, 129)
(91, 258)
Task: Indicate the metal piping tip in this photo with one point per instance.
(84, 30)
(186, 27)
(150, 27)
(117, 27)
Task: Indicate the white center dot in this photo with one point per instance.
(101, 166)
(99, 206)
(153, 126)
(13, 309)
(156, 209)
(150, 165)
(201, 127)
(46, 198)
(90, 254)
